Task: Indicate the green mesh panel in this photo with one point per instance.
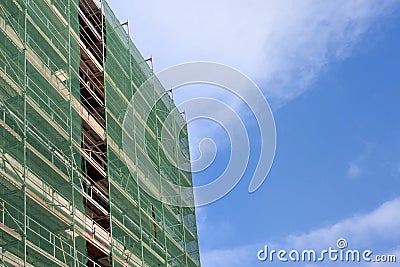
(41, 154)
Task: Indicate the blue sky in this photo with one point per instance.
(331, 72)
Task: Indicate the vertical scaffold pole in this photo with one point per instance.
(25, 171)
(71, 119)
(103, 47)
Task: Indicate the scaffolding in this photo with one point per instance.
(68, 69)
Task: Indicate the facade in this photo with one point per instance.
(68, 70)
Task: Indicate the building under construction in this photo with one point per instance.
(68, 70)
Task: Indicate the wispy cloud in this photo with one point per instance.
(356, 167)
(281, 44)
(362, 231)
(382, 224)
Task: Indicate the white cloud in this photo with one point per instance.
(282, 44)
(382, 224)
(357, 167)
(362, 231)
(354, 169)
